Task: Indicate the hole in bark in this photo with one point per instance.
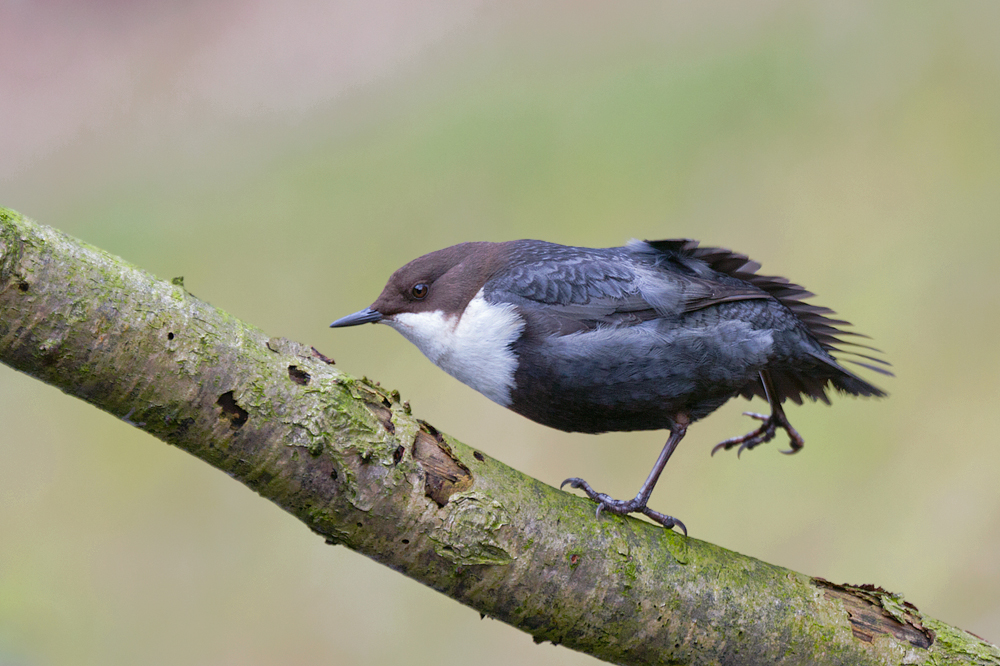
(298, 376)
(232, 412)
(334, 475)
(406, 541)
(397, 455)
(170, 336)
(22, 285)
(478, 456)
(360, 525)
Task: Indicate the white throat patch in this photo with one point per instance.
(474, 348)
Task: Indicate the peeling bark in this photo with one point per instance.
(348, 459)
(445, 475)
(874, 611)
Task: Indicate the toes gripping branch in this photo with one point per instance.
(638, 503)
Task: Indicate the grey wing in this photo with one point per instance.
(586, 289)
(572, 294)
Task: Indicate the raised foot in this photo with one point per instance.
(765, 433)
(622, 507)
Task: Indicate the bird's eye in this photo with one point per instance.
(420, 290)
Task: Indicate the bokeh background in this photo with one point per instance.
(286, 157)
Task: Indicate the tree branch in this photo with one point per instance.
(348, 459)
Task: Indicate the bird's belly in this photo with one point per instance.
(640, 378)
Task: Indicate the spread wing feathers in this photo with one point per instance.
(825, 330)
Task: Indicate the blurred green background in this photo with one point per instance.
(286, 158)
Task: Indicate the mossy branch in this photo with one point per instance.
(348, 459)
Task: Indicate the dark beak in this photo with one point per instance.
(366, 316)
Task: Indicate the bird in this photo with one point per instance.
(652, 335)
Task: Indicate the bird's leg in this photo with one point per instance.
(769, 427)
(638, 504)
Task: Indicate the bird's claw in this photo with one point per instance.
(573, 482)
(667, 521)
(765, 433)
(621, 507)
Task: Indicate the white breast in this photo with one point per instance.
(474, 348)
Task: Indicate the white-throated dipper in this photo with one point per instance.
(653, 335)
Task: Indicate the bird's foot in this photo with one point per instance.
(765, 433)
(622, 507)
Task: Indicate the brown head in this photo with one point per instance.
(444, 281)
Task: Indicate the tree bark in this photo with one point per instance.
(348, 459)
